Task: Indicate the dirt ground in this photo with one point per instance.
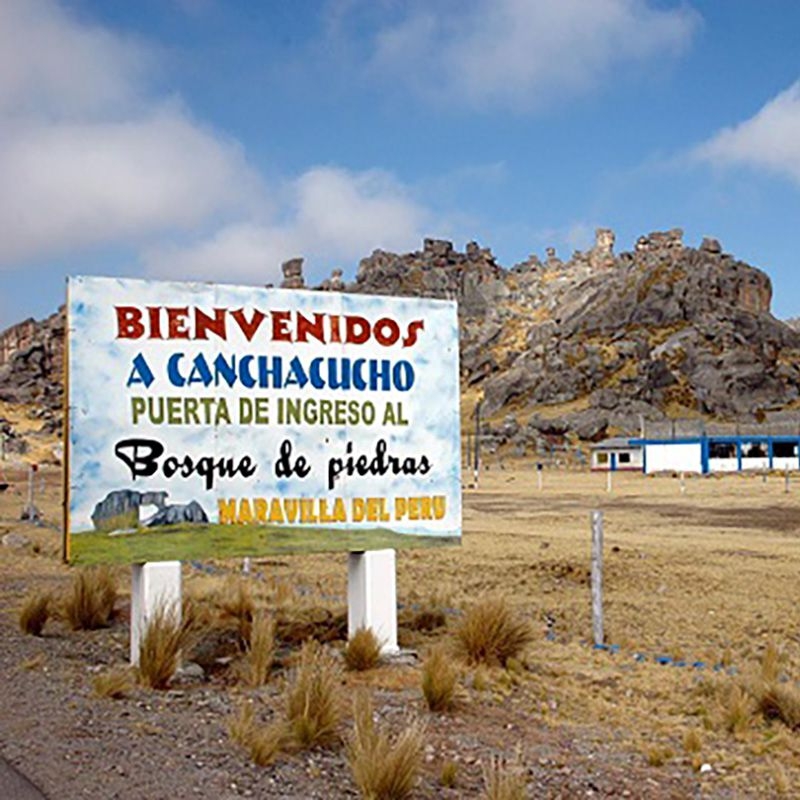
(697, 582)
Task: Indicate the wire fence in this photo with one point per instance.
(693, 428)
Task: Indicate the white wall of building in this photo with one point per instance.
(755, 463)
(674, 457)
(723, 464)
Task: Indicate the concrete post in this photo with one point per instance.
(372, 596)
(154, 585)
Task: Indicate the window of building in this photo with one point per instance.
(602, 458)
(624, 458)
(722, 450)
(784, 449)
(754, 450)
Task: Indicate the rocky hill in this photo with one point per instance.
(579, 348)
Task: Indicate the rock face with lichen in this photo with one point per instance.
(663, 330)
(32, 370)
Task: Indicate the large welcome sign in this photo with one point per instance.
(211, 421)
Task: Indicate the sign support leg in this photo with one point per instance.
(372, 596)
(154, 584)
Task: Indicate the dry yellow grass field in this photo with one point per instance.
(707, 575)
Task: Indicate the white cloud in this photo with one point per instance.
(769, 140)
(51, 65)
(87, 156)
(72, 185)
(90, 155)
(329, 214)
(519, 53)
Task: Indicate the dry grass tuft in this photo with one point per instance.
(259, 655)
(262, 742)
(771, 663)
(89, 604)
(693, 741)
(738, 709)
(114, 684)
(34, 613)
(383, 769)
(658, 755)
(780, 779)
(363, 651)
(265, 742)
(241, 725)
(449, 774)
(490, 633)
(236, 603)
(780, 701)
(164, 638)
(313, 697)
(504, 780)
(440, 681)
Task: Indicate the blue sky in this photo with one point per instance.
(213, 139)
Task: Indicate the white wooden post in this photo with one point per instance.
(597, 576)
(154, 585)
(372, 596)
(608, 480)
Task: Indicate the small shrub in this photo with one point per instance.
(34, 613)
(504, 780)
(114, 684)
(89, 603)
(383, 769)
(160, 648)
(363, 651)
(490, 633)
(439, 681)
(449, 774)
(260, 651)
(313, 697)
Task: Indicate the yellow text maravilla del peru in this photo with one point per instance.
(322, 511)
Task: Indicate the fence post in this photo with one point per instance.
(597, 576)
(477, 441)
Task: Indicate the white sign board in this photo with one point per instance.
(208, 420)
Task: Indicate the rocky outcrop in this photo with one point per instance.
(663, 330)
(32, 368)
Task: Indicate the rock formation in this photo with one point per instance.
(32, 371)
(666, 329)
